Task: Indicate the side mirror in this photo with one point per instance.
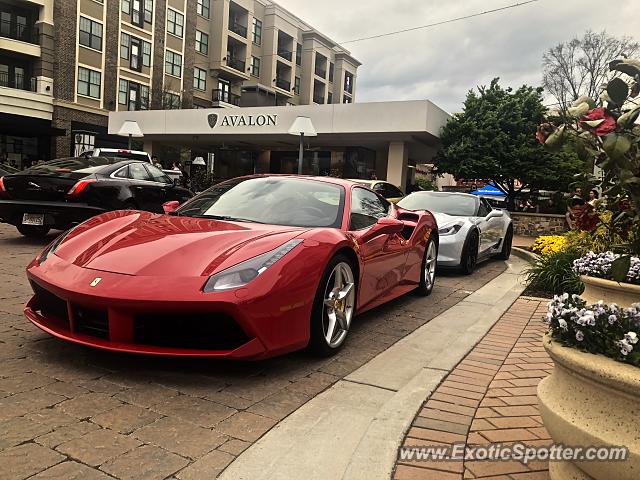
(170, 207)
(495, 214)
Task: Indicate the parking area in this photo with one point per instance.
(71, 412)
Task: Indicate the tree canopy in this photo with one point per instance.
(494, 138)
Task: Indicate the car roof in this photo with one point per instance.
(366, 182)
(333, 180)
(444, 194)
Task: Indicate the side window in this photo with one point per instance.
(138, 172)
(394, 192)
(484, 208)
(122, 173)
(158, 175)
(366, 209)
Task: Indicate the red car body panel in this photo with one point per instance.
(153, 266)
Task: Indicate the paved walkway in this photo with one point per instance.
(72, 412)
(523, 241)
(490, 397)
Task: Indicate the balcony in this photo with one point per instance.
(238, 29)
(236, 64)
(19, 82)
(283, 84)
(287, 55)
(226, 97)
(19, 31)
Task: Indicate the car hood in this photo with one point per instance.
(146, 244)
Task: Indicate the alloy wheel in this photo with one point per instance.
(430, 265)
(338, 305)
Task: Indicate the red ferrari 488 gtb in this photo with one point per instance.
(251, 268)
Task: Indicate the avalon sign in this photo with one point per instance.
(242, 120)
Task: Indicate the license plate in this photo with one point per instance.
(33, 219)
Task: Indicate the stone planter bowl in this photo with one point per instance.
(591, 400)
(596, 289)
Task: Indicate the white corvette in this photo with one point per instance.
(469, 228)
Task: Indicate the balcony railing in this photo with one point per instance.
(18, 31)
(238, 29)
(226, 97)
(236, 64)
(283, 84)
(321, 72)
(19, 82)
(286, 54)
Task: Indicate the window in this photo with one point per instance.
(122, 173)
(171, 101)
(331, 71)
(202, 42)
(257, 31)
(199, 78)
(348, 82)
(158, 175)
(148, 11)
(346, 99)
(173, 63)
(125, 46)
(329, 97)
(138, 172)
(484, 209)
(146, 54)
(136, 51)
(88, 82)
(133, 95)
(255, 66)
(203, 7)
(90, 33)
(123, 89)
(387, 190)
(125, 6)
(175, 23)
(366, 209)
(296, 86)
(144, 98)
(137, 16)
(298, 54)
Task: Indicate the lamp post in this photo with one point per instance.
(302, 126)
(131, 129)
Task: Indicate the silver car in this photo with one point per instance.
(469, 228)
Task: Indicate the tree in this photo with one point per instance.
(494, 138)
(581, 66)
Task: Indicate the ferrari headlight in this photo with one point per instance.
(449, 230)
(243, 273)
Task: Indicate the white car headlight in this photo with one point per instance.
(241, 274)
(449, 230)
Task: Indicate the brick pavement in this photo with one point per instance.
(489, 398)
(68, 411)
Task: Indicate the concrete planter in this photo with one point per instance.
(591, 400)
(596, 289)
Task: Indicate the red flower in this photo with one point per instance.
(605, 126)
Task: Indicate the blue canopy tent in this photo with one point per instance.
(489, 190)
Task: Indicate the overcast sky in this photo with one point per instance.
(442, 63)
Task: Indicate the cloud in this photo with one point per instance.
(444, 62)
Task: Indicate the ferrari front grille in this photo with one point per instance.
(91, 322)
(203, 331)
(50, 306)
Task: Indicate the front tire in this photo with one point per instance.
(428, 271)
(333, 307)
(505, 253)
(470, 253)
(33, 231)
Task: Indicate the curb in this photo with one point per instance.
(524, 254)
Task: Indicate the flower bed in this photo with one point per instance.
(599, 265)
(547, 244)
(601, 329)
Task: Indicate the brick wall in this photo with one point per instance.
(160, 7)
(64, 76)
(112, 52)
(535, 224)
(62, 118)
(189, 55)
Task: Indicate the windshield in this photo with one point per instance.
(272, 200)
(456, 205)
(67, 166)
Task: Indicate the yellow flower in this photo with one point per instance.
(548, 244)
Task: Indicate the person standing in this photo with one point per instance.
(576, 200)
(593, 197)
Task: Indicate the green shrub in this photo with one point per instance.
(553, 273)
(426, 184)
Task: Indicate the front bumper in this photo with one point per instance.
(450, 251)
(163, 315)
(59, 215)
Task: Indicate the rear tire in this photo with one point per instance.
(429, 268)
(505, 253)
(33, 231)
(470, 254)
(327, 333)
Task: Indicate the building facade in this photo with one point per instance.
(65, 64)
